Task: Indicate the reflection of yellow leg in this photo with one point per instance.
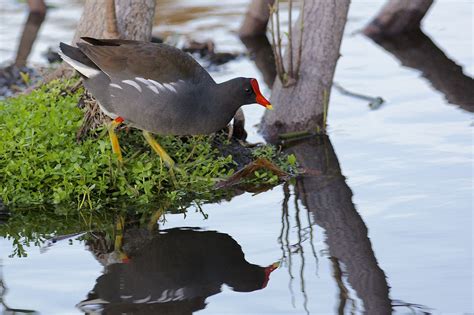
(113, 138)
(119, 227)
(158, 149)
(154, 219)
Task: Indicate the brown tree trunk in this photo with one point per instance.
(325, 193)
(111, 27)
(398, 16)
(256, 18)
(30, 30)
(300, 107)
(134, 19)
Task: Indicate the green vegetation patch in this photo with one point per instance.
(42, 163)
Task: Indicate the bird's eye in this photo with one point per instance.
(248, 90)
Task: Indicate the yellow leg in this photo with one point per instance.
(159, 150)
(113, 138)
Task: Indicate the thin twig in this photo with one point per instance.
(290, 38)
(286, 191)
(279, 36)
(311, 238)
(301, 251)
(300, 47)
(274, 46)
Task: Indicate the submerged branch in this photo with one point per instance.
(374, 102)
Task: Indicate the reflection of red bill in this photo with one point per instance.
(268, 270)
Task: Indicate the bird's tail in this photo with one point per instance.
(78, 60)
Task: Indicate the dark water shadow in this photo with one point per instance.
(170, 272)
(4, 308)
(261, 52)
(325, 195)
(417, 51)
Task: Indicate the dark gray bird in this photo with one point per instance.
(157, 88)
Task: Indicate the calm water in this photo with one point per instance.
(387, 221)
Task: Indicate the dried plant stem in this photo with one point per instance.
(93, 116)
(277, 13)
(300, 47)
(287, 78)
(290, 43)
(278, 59)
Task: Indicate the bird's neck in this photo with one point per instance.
(226, 97)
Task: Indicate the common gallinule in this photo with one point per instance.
(157, 88)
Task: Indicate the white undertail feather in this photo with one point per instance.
(80, 67)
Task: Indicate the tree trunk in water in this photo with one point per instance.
(134, 19)
(398, 16)
(256, 18)
(300, 107)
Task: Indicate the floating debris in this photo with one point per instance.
(206, 51)
(15, 79)
(374, 102)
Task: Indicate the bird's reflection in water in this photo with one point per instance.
(173, 272)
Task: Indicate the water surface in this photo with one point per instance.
(386, 220)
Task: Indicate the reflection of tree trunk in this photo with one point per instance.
(261, 53)
(301, 106)
(397, 17)
(329, 199)
(134, 19)
(416, 50)
(256, 18)
(30, 31)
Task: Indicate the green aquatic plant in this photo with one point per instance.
(42, 163)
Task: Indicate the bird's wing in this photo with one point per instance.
(127, 60)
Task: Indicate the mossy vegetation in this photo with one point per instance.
(42, 163)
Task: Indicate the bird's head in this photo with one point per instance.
(244, 91)
(256, 96)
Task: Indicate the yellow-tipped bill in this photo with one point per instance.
(260, 99)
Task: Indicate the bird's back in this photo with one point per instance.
(155, 87)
